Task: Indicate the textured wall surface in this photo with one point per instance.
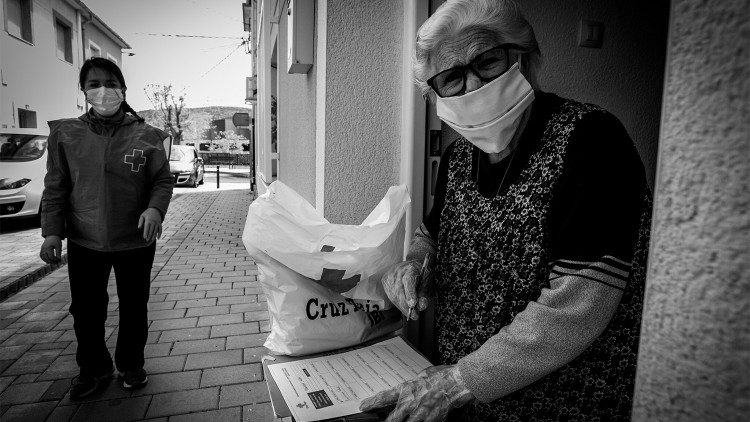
(363, 84)
(624, 76)
(105, 43)
(694, 361)
(296, 122)
(53, 97)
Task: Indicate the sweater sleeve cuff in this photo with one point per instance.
(476, 378)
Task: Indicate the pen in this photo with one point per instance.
(422, 276)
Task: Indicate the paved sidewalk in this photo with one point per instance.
(21, 264)
(208, 324)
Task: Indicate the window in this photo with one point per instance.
(64, 40)
(22, 147)
(112, 58)
(94, 50)
(26, 118)
(18, 19)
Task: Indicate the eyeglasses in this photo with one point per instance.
(487, 66)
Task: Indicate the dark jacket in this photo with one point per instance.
(101, 175)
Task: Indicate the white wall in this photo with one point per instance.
(625, 75)
(296, 122)
(321, 66)
(33, 75)
(339, 124)
(91, 32)
(363, 106)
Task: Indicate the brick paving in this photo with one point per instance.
(21, 264)
(208, 324)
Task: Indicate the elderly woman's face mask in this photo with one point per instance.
(489, 116)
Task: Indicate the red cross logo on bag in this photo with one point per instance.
(136, 160)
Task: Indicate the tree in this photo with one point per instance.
(200, 124)
(173, 113)
(229, 141)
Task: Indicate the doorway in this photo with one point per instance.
(274, 112)
(624, 76)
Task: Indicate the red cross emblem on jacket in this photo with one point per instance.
(136, 160)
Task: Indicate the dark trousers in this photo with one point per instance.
(89, 275)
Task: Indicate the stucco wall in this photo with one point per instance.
(91, 32)
(624, 76)
(296, 122)
(363, 80)
(694, 356)
(27, 69)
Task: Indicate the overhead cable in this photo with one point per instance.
(188, 36)
(222, 60)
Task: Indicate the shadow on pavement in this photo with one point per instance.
(12, 225)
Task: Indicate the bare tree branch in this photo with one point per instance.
(163, 99)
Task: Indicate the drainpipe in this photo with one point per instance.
(79, 27)
(80, 22)
(413, 119)
(84, 22)
(413, 152)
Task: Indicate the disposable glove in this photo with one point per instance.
(404, 286)
(430, 396)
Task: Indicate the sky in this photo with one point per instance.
(191, 65)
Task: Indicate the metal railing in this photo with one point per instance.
(225, 158)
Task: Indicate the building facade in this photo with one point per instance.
(43, 45)
(344, 129)
(333, 132)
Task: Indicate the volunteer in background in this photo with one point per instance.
(107, 190)
(540, 226)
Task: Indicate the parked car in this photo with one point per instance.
(186, 166)
(23, 165)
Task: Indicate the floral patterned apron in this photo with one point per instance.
(492, 262)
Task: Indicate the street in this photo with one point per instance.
(229, 179)
(21, 238)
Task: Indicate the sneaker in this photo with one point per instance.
(134, 379)
(86, 385)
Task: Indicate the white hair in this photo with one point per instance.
(501, 17)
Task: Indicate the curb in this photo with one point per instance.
(30, 278)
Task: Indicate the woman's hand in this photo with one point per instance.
(400, 284)
(428, 397)
(150, 222)
(51, 251)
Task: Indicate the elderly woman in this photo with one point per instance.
(540, 231)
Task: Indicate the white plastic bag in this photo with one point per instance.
(322, 280)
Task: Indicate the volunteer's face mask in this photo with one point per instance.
(105, 101)
(489, 116)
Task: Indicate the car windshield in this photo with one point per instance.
(180, 154)
(21, 147)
